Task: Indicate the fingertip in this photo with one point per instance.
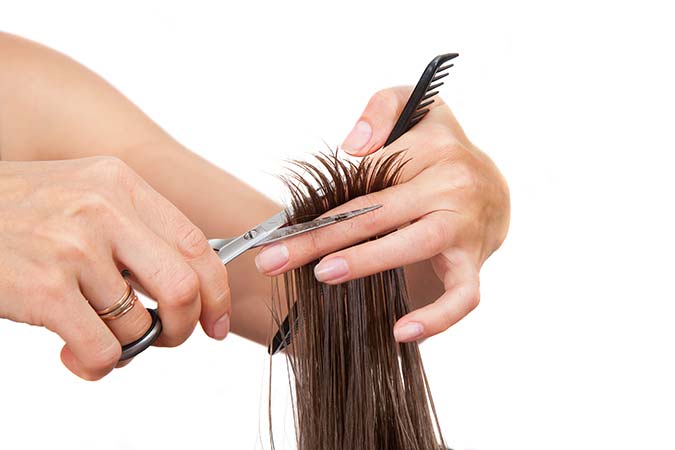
(272, 259)
(221, 327)
(215, 315)
(408, 331)
(376, 122)
(438, 316)
(332, 270)
(68, 360)
(73, 364)
(356, 141)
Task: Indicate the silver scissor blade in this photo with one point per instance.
(294, 230)
(226, 247)
(252, 237)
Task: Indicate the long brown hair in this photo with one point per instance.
(354, 387)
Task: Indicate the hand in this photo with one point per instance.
(451, 209)
(69, 227)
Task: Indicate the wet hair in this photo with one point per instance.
(353, 386)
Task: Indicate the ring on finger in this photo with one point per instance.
(121, 306)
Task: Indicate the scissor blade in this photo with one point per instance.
(294, 230)
(230, 248)
(251, 238)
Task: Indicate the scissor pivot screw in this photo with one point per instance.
(250, 234)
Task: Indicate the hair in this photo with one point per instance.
(353, 386)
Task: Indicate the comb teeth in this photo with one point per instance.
(429, 95)
(416, 118)
(416, 121)
(421, 99)
(425, 104)
(419, 114)
(442, 68)
(434, 86)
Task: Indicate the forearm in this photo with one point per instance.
(51, 107)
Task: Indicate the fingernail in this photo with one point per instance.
(358, 138)
(408, 332)
(331, 269)
(221, 327)
(271, 258)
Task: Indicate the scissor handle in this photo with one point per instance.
(145, 341)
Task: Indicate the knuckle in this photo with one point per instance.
(219, 293)
(223, 294)
(442, 141)
(53, 285)
(473, 300)
(112, 169)
(106, 164)
(314, 244)
(178, 333)
(64, 240)
(90, 204)
(370, 222)
(173, 339)
(191, 241)
(383, 100)
(471, 297)
(448, 318)
(183, 292)
(437, 239)
(74, 248)
(464, 178)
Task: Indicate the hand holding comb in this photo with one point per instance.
(417, 106)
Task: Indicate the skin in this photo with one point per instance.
(451, 211)
(82, 198)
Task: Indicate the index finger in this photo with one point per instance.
(401, 204)
(170, 224)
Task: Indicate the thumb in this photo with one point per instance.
(377, 120)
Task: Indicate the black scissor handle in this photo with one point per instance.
(145, 341)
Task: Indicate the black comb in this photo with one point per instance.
(422, 96)
(417, 106)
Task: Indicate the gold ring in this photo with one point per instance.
(121, 306)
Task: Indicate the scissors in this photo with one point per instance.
(272, 230)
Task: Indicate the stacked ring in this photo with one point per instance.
(121, 306)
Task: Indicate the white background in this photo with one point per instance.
(572, 345)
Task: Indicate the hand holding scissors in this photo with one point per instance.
(269, 231)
